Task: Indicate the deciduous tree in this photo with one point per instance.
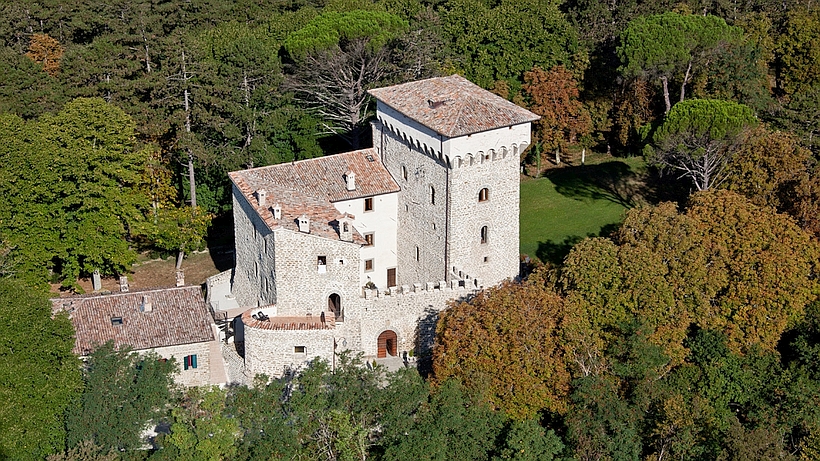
(769, 169)
(124, 392)
(554, 96)
(46, 51)
(39, 374)
(504, 344)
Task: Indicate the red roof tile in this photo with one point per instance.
(177, 316)
(452, 106)
(290, 323)
(309, 187)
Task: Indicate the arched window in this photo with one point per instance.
(483, 195)
(432, 195)
(485, 234)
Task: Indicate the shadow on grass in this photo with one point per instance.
(613, 181)
(555, 252)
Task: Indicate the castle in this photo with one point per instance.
(359, 251)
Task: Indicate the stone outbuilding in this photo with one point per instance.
(173, 322)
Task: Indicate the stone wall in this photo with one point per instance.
(422, 224)
(254, 281)
(199, 376)
(410, 312)
(498, 172)
(273, 352)
(302, 287)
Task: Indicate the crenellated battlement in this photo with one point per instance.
(418, 141)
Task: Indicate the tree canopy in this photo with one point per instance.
(39, 374)
(698, 138)
(504, 343)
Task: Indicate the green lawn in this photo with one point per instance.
(568, 204)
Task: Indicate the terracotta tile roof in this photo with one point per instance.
(290, 323)
(452, 106)
(177, 316)
(309, 187)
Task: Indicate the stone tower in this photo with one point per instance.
(453, 148)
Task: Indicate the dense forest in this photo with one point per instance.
(691, 332)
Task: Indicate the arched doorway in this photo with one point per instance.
(334, 304)
(386, 344)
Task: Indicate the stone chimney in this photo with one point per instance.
(350, 180)
(345, 228)
(146, 304)
(276, 209)
(261, 195)
(304, 224)
(124, 284)
(180, 278)
(96, 280)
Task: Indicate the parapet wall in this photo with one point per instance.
(274, 352)
(412, 313)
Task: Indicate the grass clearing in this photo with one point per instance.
(570, 203)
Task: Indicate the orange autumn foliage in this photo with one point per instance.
(504, 344)
(47, 51)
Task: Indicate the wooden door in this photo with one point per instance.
(391, 277)
(386, 344)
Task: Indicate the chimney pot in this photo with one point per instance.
(304, 224)
(261, 195)
(124, 283)
(146, 304)
(350, 180)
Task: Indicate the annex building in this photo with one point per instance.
(359, 251)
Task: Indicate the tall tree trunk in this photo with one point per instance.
(187, 101)
(685, 81)
(666, 94)
(249, 124)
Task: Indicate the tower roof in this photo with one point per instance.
(452, 106)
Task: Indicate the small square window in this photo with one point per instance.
(486, 259)
(189, 362)
(116, 320)
(368, 265)
(299, 349)
(370, 239)
(368, 204)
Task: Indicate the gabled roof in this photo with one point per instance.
(309, 187)
(452, 106)
(177, 316)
